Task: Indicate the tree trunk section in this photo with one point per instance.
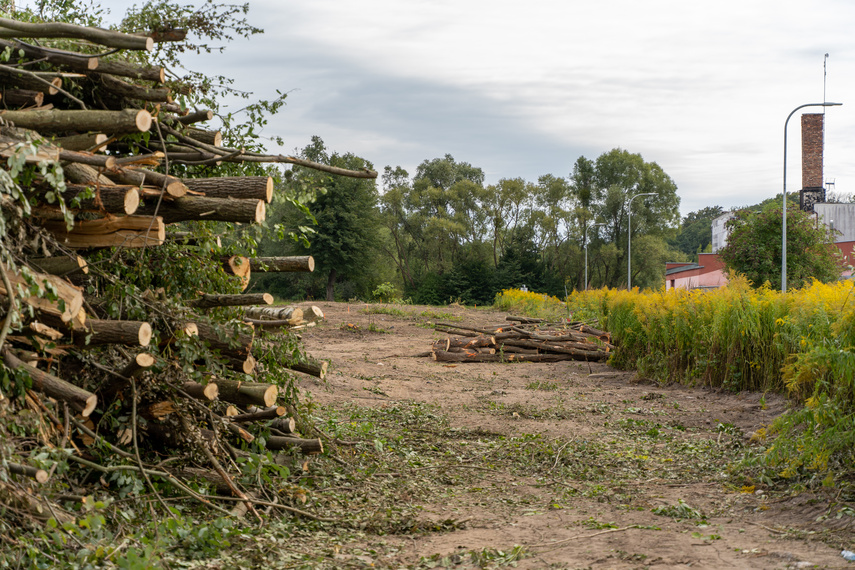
(82, 142)
(99, 332)
(57, 121)
(66, 292)
(331, 285)
(200, 208)
(317, 369)
(140, 176)
(126, 231)
(124, 89)
(15, 29)
(206, 392)
(306, 446)
(60, 265)
(240, 187)
(123, 200)
(290, 315)
(247, 393)
(283, 264)
(208, 301)
(271, 413)
(232, 340)
(57, 388)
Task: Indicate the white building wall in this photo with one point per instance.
(719, 231)
(840, 217)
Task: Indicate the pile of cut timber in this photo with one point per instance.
(522, 340)
(110, 126)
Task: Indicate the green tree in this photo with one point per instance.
(445, 211)
(754, 248)
(345, 238)
(603, 191)
(696, 230)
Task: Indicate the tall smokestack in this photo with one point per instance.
(812, 144)
(812, 127)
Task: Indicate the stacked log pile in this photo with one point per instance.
(73, 361)
(524, 340)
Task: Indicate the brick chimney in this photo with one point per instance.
(812, 150)
(813, 190)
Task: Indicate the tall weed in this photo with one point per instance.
(801, 343)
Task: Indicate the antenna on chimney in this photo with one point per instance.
(824, 75)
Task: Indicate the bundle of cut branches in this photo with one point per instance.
(526, 341)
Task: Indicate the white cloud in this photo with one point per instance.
(521, 89)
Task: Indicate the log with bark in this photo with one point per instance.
(15, 29)
(200, 208)
(69, 298)
(121, 200)
(442, 356)
(207, 392)
(81, 400)
(98, 332)
(173, 186)
(317, 369)
(82, 142)
(283, 264)
(39, 475)
(289, 315)
(119, 231)
(22, 98)
(64, 121)
(247, 393)
(232, 339)
(241, 187)
(207, 301)
(271, 413)
(306, 446)
(133, 369)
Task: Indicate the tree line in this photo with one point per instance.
(442, 234)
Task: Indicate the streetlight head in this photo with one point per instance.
(829, 104)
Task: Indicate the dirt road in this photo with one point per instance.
(561, 465)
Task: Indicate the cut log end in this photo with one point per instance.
(144, 119)
(132, 201)
(270, 395)
(145, 334)
(269, 190)
(176, 189)
(261, 212)
(89, 407)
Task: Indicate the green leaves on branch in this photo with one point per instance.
(754, 248)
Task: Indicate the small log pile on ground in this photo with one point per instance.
(104, 363)
(522, 340)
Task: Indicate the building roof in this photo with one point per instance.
(689, 267)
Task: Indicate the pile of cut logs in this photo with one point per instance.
(85, 111)
(522, 340)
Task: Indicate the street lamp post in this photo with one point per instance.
(586, 252)
(629, 241)
(784, 214)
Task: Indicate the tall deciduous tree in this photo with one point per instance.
(755, 242)
(345, 237)
(696, 230)
(603, 191)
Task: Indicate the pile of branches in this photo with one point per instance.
(522, 340)
(126, 356)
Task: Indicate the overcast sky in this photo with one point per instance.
(523, 89)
